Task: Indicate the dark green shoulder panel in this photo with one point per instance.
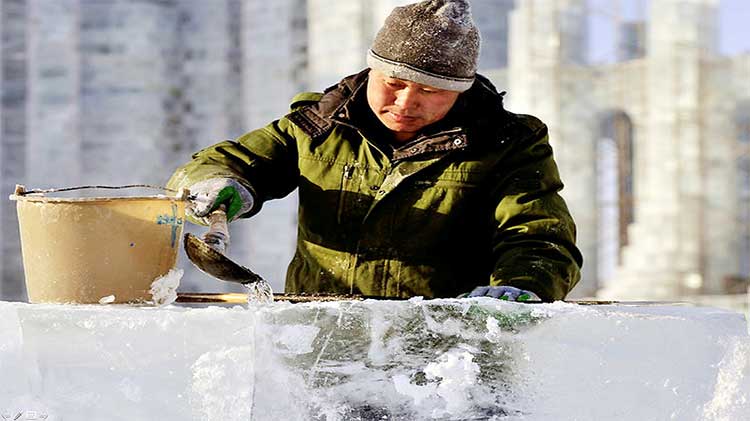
(522, 126)
(531, 122)
(304, 115)
(305, 98)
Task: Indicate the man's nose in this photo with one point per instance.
(407, 98)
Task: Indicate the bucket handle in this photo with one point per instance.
(21, 189)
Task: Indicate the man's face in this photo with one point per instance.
(406, 107)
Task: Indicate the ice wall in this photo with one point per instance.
(407, 360)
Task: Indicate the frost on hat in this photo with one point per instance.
(432, 42)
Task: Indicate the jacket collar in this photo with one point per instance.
(474, 111)
(338, 100)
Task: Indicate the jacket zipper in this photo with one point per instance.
(346, 175)
(348, 171)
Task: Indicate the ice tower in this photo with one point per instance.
(668, 256)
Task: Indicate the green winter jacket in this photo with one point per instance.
(471, 201)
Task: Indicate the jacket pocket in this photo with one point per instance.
(435, 214)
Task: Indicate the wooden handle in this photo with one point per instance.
(217, 236)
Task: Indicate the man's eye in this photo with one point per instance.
(394, 84)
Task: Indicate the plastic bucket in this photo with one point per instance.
(82, 249)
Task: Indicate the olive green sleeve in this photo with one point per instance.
(264, 161)
(534, 238)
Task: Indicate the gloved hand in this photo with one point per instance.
(503, 292)
(207, 195)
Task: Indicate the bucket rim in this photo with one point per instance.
(21, 194)
(93, 199)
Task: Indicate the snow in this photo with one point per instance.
(458, 13)
(164, 288)
(259, 292)
(475, 358)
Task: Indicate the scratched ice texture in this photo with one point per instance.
(374, 360)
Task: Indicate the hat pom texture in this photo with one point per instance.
(433, 42)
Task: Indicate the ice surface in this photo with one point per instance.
(374, 360)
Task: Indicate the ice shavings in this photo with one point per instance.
(494, 331)
(419, 392)
(164, 288)
(446, 382)
(457, 373)
(259, 292)
(295, 339)
(109, 299)
(732, 388)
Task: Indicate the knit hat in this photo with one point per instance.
(433, 42)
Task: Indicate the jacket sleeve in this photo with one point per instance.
(264, 161)
(533, 242)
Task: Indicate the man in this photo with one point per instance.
(413, 179)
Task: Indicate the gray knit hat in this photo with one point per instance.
(433, 42)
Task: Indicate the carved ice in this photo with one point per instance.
(375, 360)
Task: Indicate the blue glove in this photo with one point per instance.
(207, 195)
(504, 293)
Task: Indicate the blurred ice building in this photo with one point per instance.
(654, 146)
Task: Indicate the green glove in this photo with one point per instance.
(207, 195)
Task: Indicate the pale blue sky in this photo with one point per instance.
(734, 25)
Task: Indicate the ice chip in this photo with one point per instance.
(164, 288)
(457, 373)
(419, 393)
(109, 299)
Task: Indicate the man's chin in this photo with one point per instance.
(402, 127)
